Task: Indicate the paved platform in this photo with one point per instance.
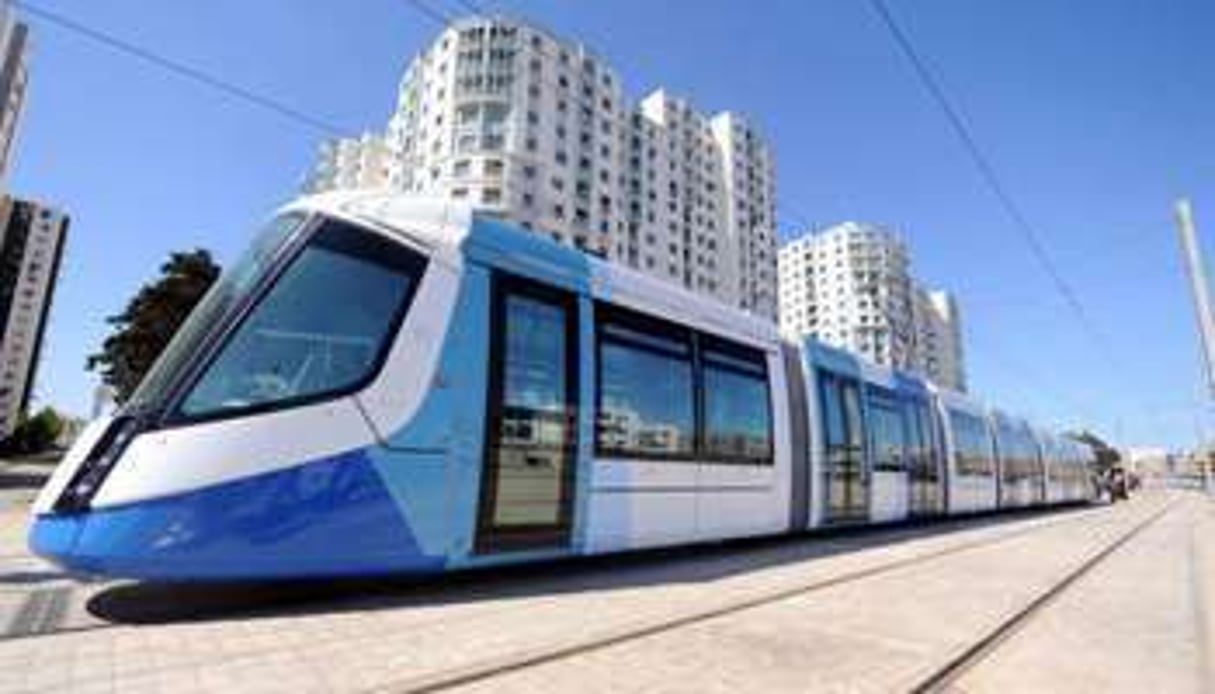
(874, 611)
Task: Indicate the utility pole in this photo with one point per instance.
(1198, 284)
(1196, 269)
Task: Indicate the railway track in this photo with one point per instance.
(43, 611)
(489, 669)
(943, 677)
(35, 618)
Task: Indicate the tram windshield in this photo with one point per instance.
(230, 290)
(321, 329)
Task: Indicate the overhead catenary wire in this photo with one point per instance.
(444, 20)
(432, 13)
(471, 6)
(270, 104)
(786, 208)
(182, 70)
(987, 172)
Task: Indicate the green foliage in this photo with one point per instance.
(143, 330)
(1107, 455)
(35, 434)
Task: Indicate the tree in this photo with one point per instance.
(1107, 455)
(149, 321)
(35, 434)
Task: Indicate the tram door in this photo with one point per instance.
(927, 482)
(531, 437)
(845, 479)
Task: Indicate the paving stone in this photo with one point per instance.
(860, 636)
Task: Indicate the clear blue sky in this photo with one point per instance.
(1096, 113)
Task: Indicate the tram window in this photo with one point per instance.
(645, 395)
(1005, 450)
(1057, 467)
(843, 428)
(971, 453)
(1018, 452)
(915, 434)
(737, 405)
(921, 457)
(887, 432)
(293, 347)
(852, 414)
(1023, 450)
(833, 413)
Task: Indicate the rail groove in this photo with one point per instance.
(495, 667)
(941, 678)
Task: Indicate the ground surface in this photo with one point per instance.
(875, 611)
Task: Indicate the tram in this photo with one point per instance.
(387, 384)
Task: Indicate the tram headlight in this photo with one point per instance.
(97, 465)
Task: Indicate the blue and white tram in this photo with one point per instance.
(973, 473)
(385, 384)
(1022, 474)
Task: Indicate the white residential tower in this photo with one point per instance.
(851, 286)
(539, 130)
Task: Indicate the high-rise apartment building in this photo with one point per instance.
(518, 123)
(32, 237)
(750, 202)
(938, 347)
(538, 130)
(350, 163)
(14, 36)
(851, 286)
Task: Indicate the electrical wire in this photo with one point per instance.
(181, 69)
(987, 172)
(785, 207)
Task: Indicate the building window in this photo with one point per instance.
(492, 142)
(467, 114)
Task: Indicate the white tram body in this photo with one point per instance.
(387, 384)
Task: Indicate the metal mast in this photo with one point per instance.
(1196, 270)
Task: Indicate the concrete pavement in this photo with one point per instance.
(1139, 622)
(865, 612)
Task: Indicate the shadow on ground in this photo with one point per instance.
(30, 472)
(160, 603)
(22, 480)
(31, 577)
